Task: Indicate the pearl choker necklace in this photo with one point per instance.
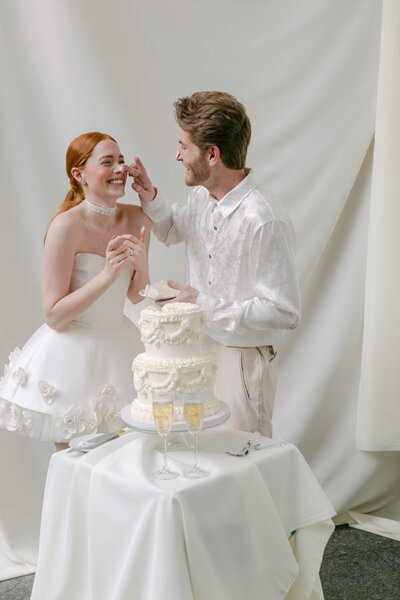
(102, 210)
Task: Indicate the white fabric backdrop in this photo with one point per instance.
(379, 402)
(307, 73)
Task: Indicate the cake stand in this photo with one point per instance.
(150, 427)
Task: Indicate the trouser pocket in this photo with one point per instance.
(268, 353)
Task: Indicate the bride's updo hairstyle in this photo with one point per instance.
(79, 150)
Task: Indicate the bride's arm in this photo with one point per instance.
(59, 306)
(139, 260)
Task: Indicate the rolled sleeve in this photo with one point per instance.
(157, 210)
(168, 221)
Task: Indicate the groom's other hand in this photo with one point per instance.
(187, 294)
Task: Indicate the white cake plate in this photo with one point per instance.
(149, 426)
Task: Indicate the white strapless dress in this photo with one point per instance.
(67, 383)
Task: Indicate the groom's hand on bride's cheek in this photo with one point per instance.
(132, 170)
(141, 181)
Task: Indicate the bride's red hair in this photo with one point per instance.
(79, 150)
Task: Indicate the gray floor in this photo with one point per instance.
(356, 566)
(360, 566)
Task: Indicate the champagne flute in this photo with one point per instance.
(194, 415)
(163, 411)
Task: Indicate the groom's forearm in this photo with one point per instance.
(163, 217)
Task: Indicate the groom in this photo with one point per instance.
(240, 257)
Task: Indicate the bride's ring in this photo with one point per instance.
(131, 252)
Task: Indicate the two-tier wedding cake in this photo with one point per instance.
(174, 361)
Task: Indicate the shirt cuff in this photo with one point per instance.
(158, 209)
(207, 303)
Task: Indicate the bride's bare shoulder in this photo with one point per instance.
(70, 221)
(134, 216)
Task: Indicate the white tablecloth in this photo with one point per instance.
(110, 531)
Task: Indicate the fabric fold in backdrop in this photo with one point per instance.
(378, 426)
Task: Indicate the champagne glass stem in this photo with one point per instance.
(195, 435)
(165, 465)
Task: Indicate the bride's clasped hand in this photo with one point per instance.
(126, 248)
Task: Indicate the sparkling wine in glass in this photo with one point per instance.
(194, 415)
(163, 412)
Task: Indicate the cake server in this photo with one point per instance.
(97, 440)
(255, 445)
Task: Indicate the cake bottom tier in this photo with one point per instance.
(178, 378)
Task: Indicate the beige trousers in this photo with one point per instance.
(246, 380)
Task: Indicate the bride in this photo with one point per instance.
(74, 374)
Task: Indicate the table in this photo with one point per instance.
(110, 531)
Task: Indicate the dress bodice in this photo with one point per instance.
(108, 309)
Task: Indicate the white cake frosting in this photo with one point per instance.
(174, 361)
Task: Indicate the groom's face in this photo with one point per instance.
(193, 159)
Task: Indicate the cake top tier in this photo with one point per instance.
(176, 324)
(173, 311)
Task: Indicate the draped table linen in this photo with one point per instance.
(110, 531)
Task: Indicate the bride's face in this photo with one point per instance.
(104, 175)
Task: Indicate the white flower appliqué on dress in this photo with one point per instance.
(13, 356)
(12, 359)
(114, 421)
(90, 425)
(47, 391)
(19, 376)
(14, 417)
(70, 423)
(106, 403)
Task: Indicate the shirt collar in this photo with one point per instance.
(234, 197)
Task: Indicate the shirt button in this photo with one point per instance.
(209, 256)
(209, 283)
(215, 227)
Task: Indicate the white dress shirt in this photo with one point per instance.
(240, 256)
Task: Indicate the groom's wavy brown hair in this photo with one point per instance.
(216, 119)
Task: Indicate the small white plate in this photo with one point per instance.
(142, 293)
